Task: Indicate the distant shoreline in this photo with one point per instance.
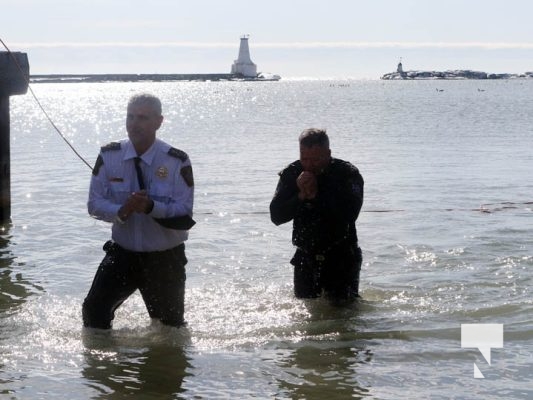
(406, 75)
(455, 74)
(76, 78)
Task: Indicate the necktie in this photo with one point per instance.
(140, 179)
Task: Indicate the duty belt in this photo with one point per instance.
(322, 255)
(111, 245)
(317, 257)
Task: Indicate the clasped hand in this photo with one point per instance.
(307, 186)
(138, 202)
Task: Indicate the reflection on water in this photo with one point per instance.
(13, 288)
(325, 364)
(132, 365)
(320, 372)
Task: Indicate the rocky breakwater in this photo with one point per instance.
(455, 74)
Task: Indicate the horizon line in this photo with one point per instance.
(284, 45)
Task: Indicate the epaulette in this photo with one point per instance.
(352, 168)
(293, 169)
(110, 146)
(176, 153)
(98, 164)
(347, 169)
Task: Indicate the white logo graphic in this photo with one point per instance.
(483, 337)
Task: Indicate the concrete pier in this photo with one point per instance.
(75, 78)
(93, 78)
(243, 69)
(14, 76)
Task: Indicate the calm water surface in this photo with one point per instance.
(445, 231)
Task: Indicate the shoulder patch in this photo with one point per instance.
(98, 164)
(111, 147)
(176, 153)
(186, 173)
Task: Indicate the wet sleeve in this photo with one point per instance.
(176, 212)
(101, 204)
(285, 202)
(354, 195)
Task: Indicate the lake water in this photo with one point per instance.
(446, 232)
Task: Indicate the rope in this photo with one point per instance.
(482, 208)
(27, 79)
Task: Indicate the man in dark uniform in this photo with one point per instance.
(145, 188)
(323, 196)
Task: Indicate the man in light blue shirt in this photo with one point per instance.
(145, 188)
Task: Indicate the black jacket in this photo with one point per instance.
(329, 219)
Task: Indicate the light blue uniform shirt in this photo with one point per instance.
(168, 181)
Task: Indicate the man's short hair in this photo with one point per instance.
(146, 99)
(314, 137)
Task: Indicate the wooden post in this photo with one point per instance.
(14, 78)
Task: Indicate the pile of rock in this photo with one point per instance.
(455, 74)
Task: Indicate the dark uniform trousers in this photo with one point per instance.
(334, 273)
(159, 276)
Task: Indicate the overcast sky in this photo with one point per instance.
(298, 38)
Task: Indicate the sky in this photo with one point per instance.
(359, 39)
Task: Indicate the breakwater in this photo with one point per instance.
(66, 78)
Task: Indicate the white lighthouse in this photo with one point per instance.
(399, 68)
(243, 65)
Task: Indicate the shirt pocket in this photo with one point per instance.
(161, 191)
(120, 191)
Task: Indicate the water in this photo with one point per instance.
(445, 230)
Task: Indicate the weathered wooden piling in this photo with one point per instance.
(14, 78)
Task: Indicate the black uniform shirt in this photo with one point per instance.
(329, 219)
